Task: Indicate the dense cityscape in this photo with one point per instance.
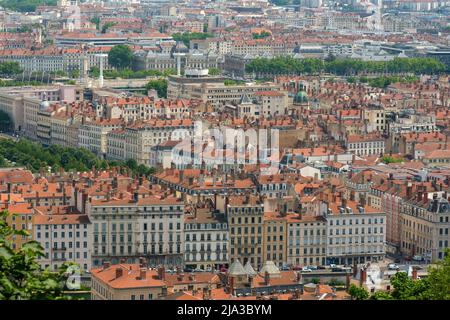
(224, 150)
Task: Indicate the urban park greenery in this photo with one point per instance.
(34, 157)
(343, 67)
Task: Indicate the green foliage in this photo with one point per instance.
(336, 283)
(16, 83)
(186, 37)
(438, 280)
(281, 2)
(121, 56)
(23, 29)
(351, 79)
(96, 21)
(315, 280)
(34, 157)
(342, 67)
(10, 68)
(436, 286)
(230, 82)
(160, 85)
(21, 277)
(381, 295)
(383, 82)
(108, 25)
(261, 35)
(389, 159)
(214, 71)
(358, 293)
(6, 124)
(26, 5)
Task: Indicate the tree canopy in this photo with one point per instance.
(186, 37)
(261, 35)
(34, 156)
(26, 5)
(289, 65)
(10, 68)
(6, 124)
(160, 85)
(121, 57)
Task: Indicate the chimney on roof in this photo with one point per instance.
(119, 272)
(414, 273)
(106, 265)
(161, 273)
(142, 273)
(363, 277)
(266, 278)
(409, 187)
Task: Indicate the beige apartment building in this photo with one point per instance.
(93, 135)
(140, 137)
(425, 225)
(274, 238)
(245, 220)
(306, 240)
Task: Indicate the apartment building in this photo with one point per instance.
(20, 218)
(140, 137)
(274, 238)
(356, 233)
(272, 103)
(92, 135)
(363, 145)
(245, 220)
(425, 225)
(126, 282)
(128, 227)
(205, 239)
(306, 240)
(65, 235)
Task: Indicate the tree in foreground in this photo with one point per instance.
(358, 293)
(21, 277)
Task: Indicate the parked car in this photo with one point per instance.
(188, 270)
(312, 267)
(397, 260)
(209, 269)
(337, 269)
(321, 267)
(198, 270)
(417, 258)
(285, 268)
(393, 266)
(297, 268)
(306, 269)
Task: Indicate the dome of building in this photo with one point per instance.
(301, 97)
